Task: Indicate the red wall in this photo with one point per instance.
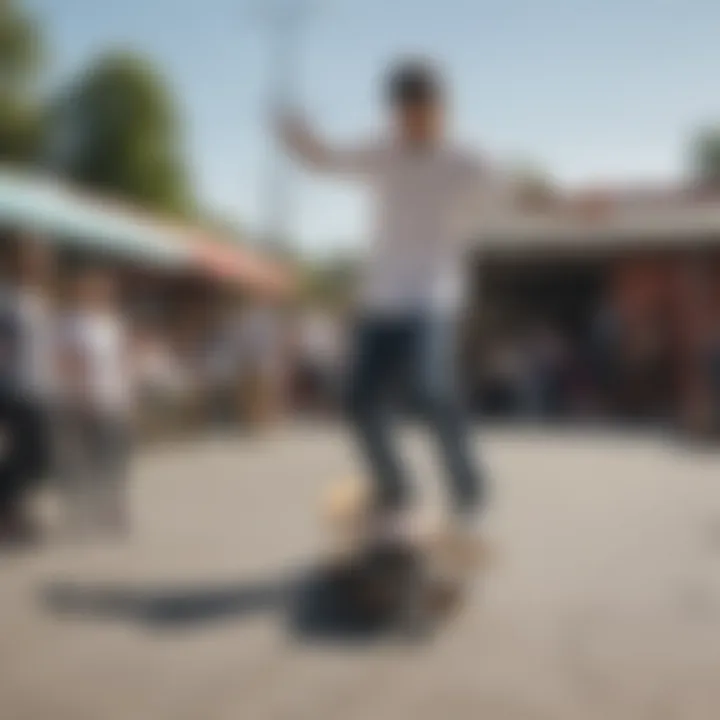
(682, 294)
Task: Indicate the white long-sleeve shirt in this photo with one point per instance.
(424, 200)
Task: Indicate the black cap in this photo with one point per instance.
(414, 81)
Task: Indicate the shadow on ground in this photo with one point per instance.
(309, 604)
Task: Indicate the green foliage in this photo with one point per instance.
(222, 227)
(117, 131)
(20, 61)
(330, 282)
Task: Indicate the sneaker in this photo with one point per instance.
(469, 537)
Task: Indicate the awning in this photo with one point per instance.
(95, 224)
(70, 219)
(601, 223)
(233, 264)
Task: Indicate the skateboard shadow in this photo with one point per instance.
(307, 603)
(163, 607)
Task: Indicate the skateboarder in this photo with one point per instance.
(424, 189)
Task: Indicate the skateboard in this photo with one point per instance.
(410, 581)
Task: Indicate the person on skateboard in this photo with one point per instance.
(425, 190)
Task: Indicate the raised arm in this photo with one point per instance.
(314, 152)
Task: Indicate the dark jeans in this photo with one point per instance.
(417, 354)
(26, 447)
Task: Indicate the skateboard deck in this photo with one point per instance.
(411, 581)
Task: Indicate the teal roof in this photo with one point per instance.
(66, 218)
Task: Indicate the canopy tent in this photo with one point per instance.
(73, 220)
(98, 225)
(233, 264)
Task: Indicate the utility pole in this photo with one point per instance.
(284, 21)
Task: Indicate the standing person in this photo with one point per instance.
(97, 392)
(549, 367)
(320, 357)
(423, 186)
(26, 380)
(222, 369)
(605, 343)
(262, 352)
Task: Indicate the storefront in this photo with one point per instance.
(637, 279)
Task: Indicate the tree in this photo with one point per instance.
(330, 281)
(705, 157)
(223, 228)
(117, 130)
(20, 61)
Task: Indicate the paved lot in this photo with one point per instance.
(606, 603)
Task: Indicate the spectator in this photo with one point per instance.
(26, 381)
(262, 343)
(548, 367)
(605, 341)
(163, 386)
(320, 358)
(506, 370)
(222, 368)
(97, 406)
(158, 373)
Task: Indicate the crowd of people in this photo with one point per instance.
(83, 379)
(542, 373)
(65, 396)
(612, 371)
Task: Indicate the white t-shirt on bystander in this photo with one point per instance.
(94, 346)
(260, 339)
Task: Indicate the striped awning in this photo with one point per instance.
(229, 262)
(67, 218)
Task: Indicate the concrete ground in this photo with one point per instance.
(605, 602)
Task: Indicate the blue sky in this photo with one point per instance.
(594, 90)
